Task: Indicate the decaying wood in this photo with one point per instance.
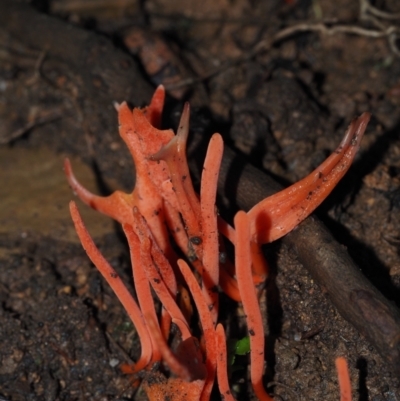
(102, 74)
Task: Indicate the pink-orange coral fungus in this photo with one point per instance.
(164, 205)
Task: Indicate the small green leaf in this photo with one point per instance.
(237, 347)
(242, 346)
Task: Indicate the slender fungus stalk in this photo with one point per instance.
(222, 366)
(142, 286)
(207, 324)
(250, 304)
(209, 182)
(117, 286)
(344, 379)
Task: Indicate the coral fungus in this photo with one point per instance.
(174, 237)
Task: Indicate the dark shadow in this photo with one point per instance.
(41, 5)
(365, 258)
(274, 309)
(231, 187)
(104, 189)
(362, 366)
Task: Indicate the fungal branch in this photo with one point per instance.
(164, 213)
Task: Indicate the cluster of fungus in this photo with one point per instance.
(176, 240)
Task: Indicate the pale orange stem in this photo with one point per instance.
(259, 264)
(229, 285)
(250, 303)
(180, 236)
(207, 325)
(208, 191)
(163, 264)
(154, 276)
(222, 366)
(176, 227)
(117, 286)
(344, 379)
(182, 135)
(142, 285)
(165, 269)
(168, 276)
(226, 230)
(165, 323)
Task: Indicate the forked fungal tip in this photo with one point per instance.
(116, 105)
(67, 166)
(183, 128)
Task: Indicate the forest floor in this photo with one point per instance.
(284, 98)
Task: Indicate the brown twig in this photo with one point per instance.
(287, 388)
(391, 32)
(41, 120)
(366, 7)
(77, 6)
(38, 65)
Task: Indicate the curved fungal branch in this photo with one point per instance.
(117, 286)
(208, 193)
(278, 214)
(142, 286)
(117, 206)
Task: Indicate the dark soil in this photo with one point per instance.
(63, 334)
